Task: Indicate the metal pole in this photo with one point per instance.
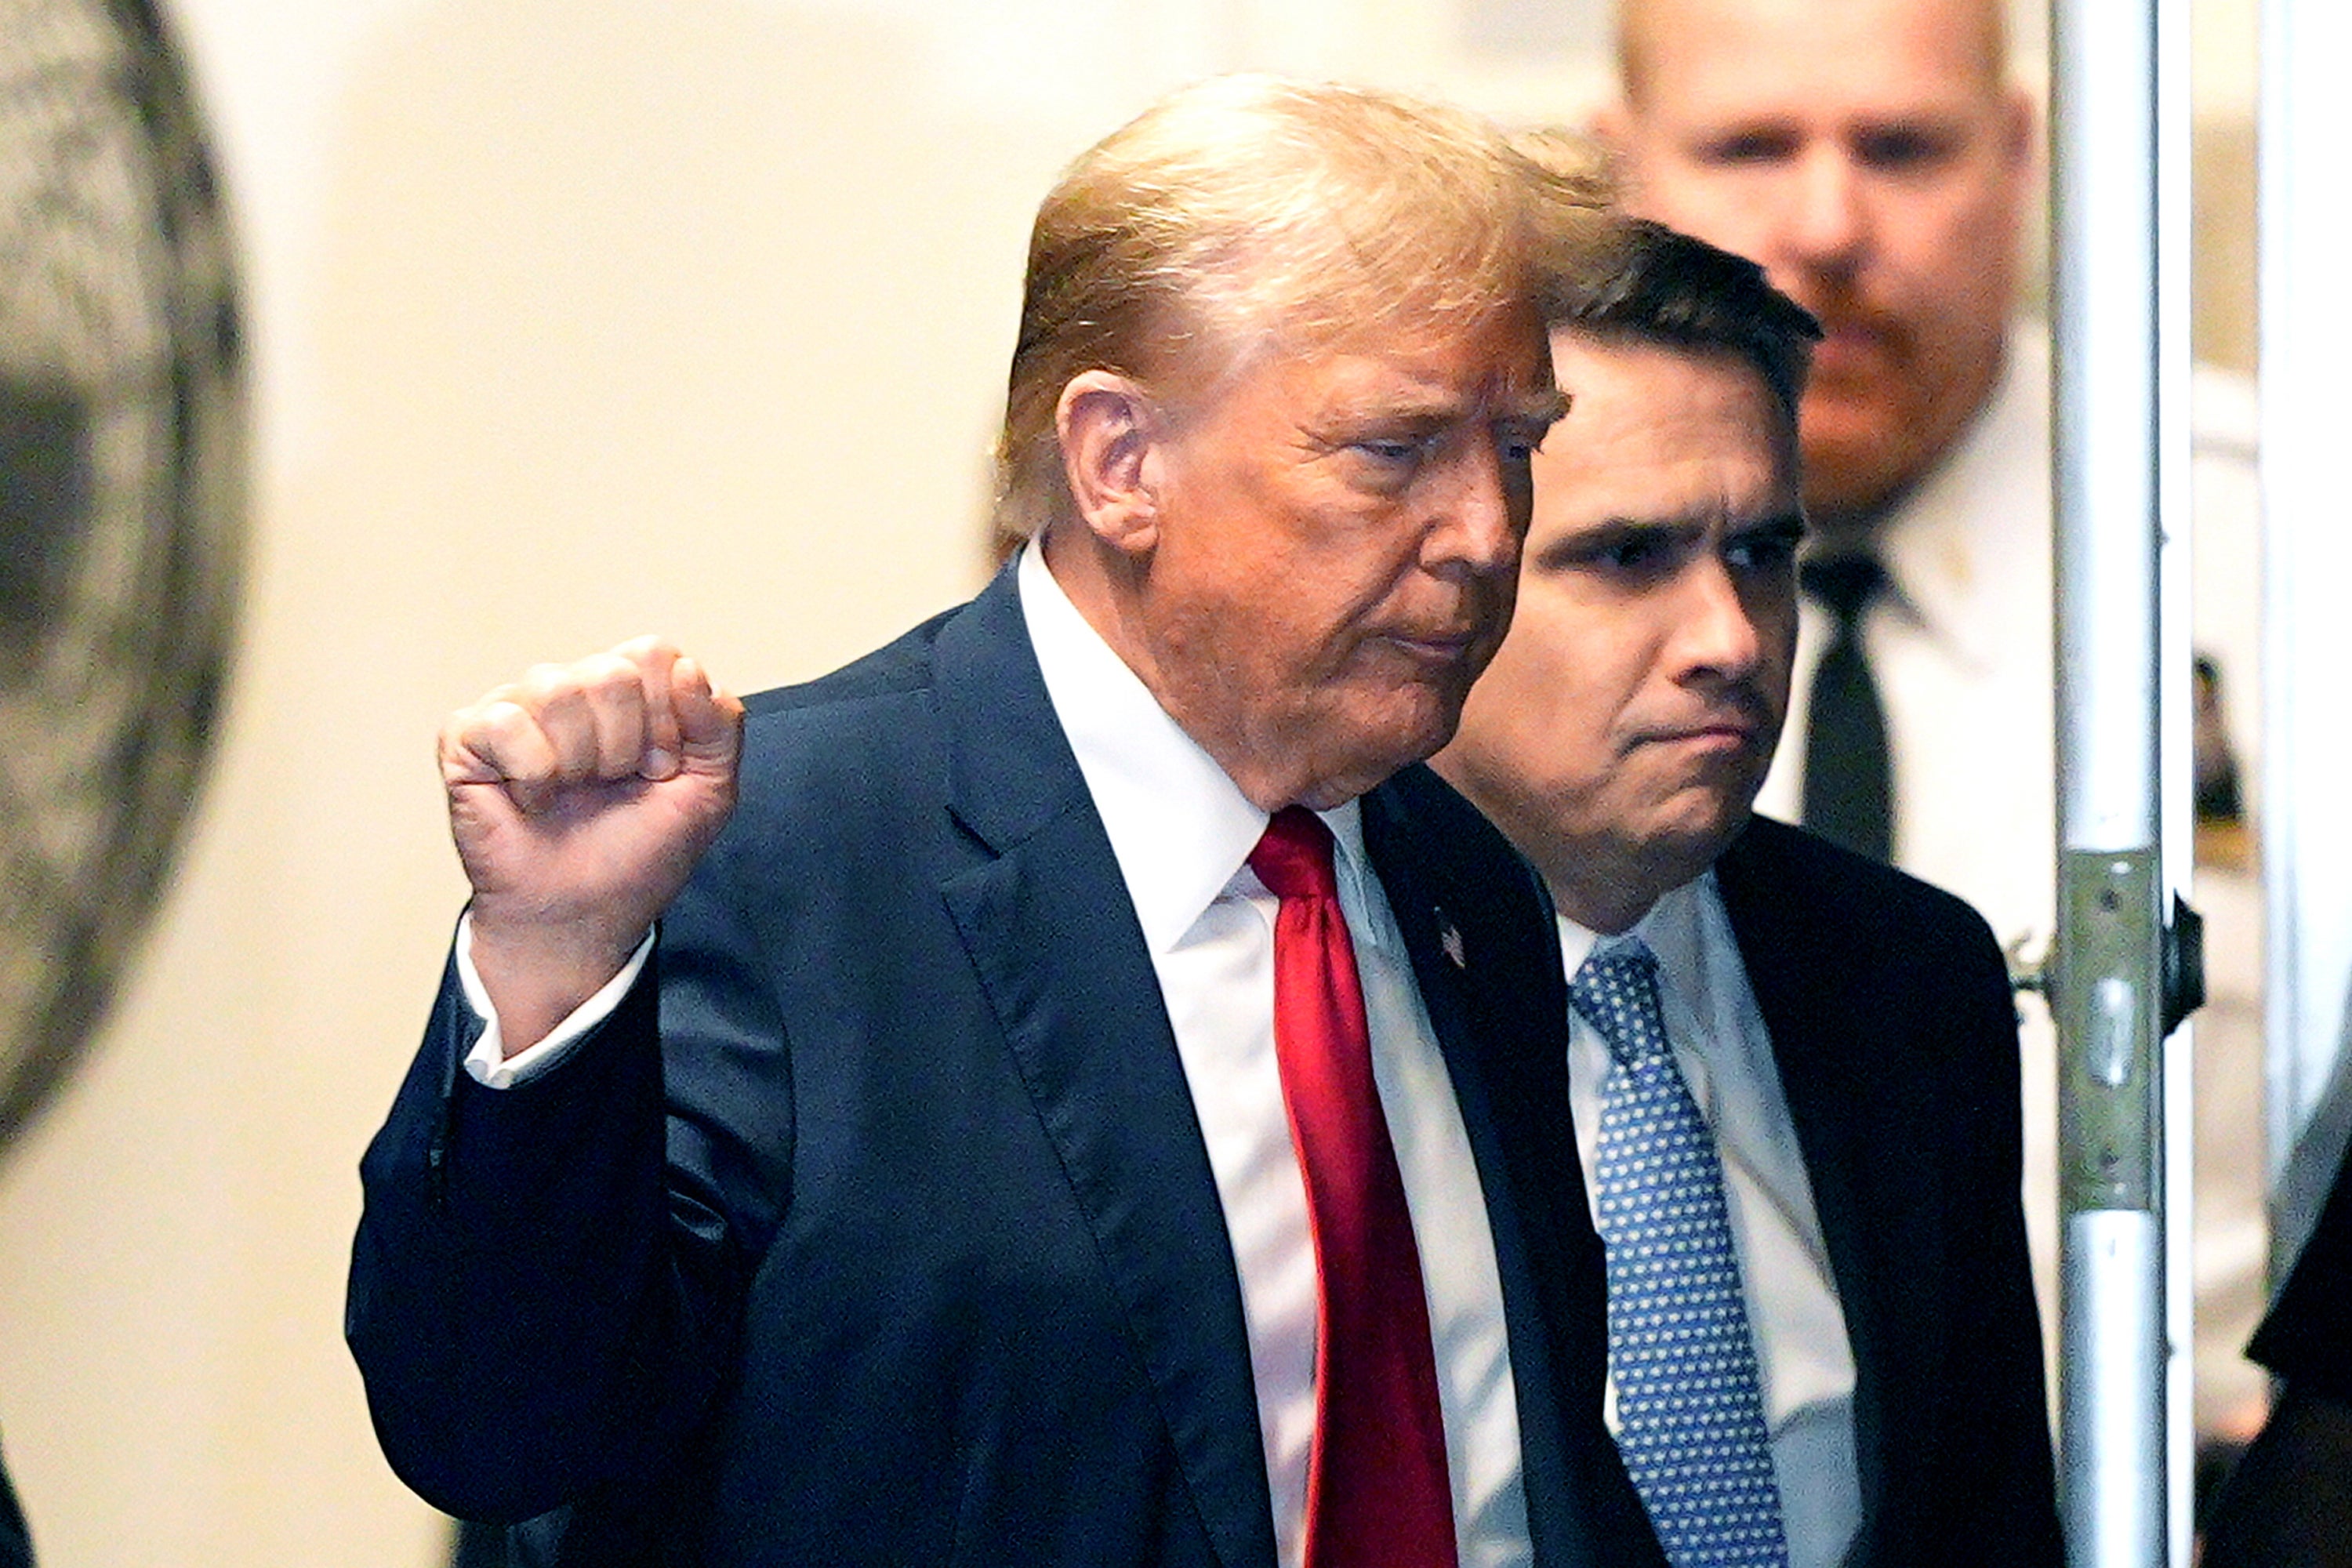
(2106, 978)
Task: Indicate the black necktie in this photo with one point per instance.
(1849, 782)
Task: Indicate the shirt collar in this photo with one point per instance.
(1673, 930)
(1974, 532)
(1178, 826)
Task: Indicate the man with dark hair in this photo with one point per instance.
(1078, 1108)
(1878, 159)
(1794, 1069)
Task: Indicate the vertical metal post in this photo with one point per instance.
(2106, 979)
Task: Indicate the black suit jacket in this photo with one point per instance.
(877, 1226)
(1892, 1025)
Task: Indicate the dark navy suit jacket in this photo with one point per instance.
(876, 1225)
(1892, 1025)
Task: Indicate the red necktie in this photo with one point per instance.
(1376, 1486)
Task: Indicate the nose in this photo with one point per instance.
(1716, 635)
(1825, 225)
(1482, 518)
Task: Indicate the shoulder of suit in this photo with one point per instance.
(848, 753)
(1774, 871)
(1416, 805)
(901, 665)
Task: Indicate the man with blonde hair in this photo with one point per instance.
(1091, 1099)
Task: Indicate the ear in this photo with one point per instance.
(1109, 429)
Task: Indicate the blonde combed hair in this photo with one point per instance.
(1249, 215)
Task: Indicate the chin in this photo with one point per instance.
(1854, 458)
(1698, 832)
(1409, 720)
(1342, 773)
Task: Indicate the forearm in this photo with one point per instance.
(526, 1323)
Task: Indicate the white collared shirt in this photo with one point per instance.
(1182, 831)
(1962, 649)
(1724, 1055)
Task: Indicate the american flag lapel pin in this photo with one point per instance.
(1449, 937)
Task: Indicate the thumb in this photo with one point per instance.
(710, 719)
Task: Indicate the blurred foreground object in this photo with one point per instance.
(121, 447)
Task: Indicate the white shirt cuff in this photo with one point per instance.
(487, 1063)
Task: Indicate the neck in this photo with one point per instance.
(1612, 912)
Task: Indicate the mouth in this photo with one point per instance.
(1434, 646)
(1848, 344)
(1722, 736)
(1853, 340)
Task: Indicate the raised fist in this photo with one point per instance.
(580, 798)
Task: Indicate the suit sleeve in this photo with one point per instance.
(16, 1540)
(547, 1280)
(2004, 1442)
(2306, 1336)
(2289, 1499)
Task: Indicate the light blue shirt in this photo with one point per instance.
(1724, 1055)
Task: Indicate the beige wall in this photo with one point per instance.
(570, 318)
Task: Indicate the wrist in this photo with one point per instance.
(537, 971)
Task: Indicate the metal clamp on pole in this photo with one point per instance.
(2184, 964)
(2105, 990)
(2182, 953)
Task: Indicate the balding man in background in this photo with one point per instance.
(1878, 159)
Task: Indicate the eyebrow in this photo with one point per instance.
(1538, 410)
(1611, 531)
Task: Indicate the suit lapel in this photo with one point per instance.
(1478, 931)
(1047, 923)
(1800, 976)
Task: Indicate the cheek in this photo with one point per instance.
(1772, 611)
(1549, 690)
(1960, 246)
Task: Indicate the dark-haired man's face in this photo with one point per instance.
(1621, 735)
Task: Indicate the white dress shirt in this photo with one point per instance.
(1182, 833)
(1962, 649)
(1725, 1055)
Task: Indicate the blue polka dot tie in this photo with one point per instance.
(1690, 1408)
